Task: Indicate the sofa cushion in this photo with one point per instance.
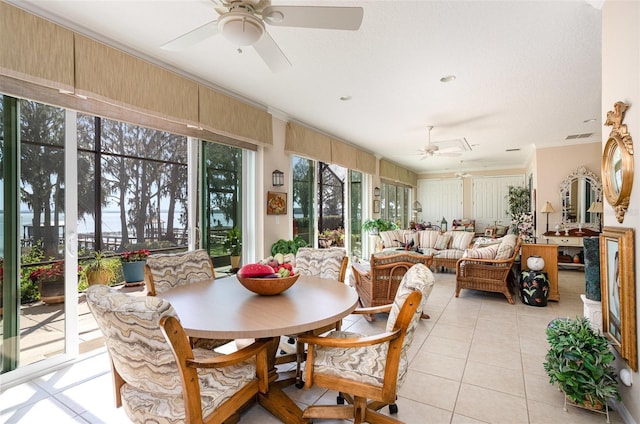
(428, 238)
(411, 236)
(391, 238)
(501, 230)
(449, 253)
(461, 239)
(442, 242)
(505, 249)
(488, 252)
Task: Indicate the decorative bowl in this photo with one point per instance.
(268, 286)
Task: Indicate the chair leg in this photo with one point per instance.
(424, 316)
(299, 359)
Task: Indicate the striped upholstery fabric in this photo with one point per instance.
(174, 269)
(487, 252)
(141, 355)
(449, 253)
(324, 263)
(366, 364)
(428, 239)
(505, 249)
(460, 239)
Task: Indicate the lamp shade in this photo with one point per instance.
(547, 208)
(596, 207)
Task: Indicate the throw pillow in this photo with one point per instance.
(488, 252)
(442, 242)
(505, 249)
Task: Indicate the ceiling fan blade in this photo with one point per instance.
(269, 51)
(323, 17)
(192, 37)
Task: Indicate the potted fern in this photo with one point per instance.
(375, 226)
(579, 361)
(233, 244)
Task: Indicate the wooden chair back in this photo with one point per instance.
(165, 271)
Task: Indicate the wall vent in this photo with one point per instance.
(576, 136)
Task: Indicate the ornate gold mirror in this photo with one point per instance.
(617, 162)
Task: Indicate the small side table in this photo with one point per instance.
(534, 288)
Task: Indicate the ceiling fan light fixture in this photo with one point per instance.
(241, 28)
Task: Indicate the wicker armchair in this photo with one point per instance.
(378, 283)
(492, 275)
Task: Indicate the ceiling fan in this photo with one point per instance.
(462, 174)
(242, 22)
(435, 150)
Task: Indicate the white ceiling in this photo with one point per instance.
(528, 73)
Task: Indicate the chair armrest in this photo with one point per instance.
(461, 261)
(361, 269)
(373, 310)
(232, 358)
(346, 342)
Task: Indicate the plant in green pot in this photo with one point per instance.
(97, 270)
(233, 244)
(579, 361)
(375, 226)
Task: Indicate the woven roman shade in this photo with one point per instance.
(343, 154)
(366, 162)
(34, 49)
(226, 115)
(307, 142)
(388, 170)
(116, 77)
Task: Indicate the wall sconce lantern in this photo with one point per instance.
(277, 178)
(376, 191)
(443, 225)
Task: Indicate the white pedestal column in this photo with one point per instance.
(593, 311)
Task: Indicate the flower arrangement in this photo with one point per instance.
(54, 271)
(336, 236)
(135, 255)
(523, 223)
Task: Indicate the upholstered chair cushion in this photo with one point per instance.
(324, 263)
(449, 254)
(143, 358)
(174, 269)
(366, 364)
(392, 238)
(505, 249)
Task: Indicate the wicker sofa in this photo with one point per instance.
(446, 248)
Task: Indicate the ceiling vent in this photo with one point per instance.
(577, 136)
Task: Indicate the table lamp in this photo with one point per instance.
(596, 207)
(547, 209)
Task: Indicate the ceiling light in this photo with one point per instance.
(241, 28)
(448, 78)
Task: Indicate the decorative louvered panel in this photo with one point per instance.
(440, 198)
(489, 196)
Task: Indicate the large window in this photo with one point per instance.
(222, 198)
(395, 204)
(355, 211)
(331, 202)
(303, 197)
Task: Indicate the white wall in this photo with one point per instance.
(621, 82)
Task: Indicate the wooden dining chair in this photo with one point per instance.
(365, 370)
(165, 271)
(158, 376)
(330, 263)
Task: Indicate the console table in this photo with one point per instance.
(571, 242)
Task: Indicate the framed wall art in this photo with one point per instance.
(376, 206)
(617, 282)
(276, 203)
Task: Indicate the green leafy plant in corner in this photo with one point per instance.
(288, 246)
(233, 242)
(378, 225)
(579, 361)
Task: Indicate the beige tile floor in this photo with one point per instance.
(477, 360)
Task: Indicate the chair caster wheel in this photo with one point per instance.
(340, 400)
(393, 408)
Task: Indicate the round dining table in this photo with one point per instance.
(225, 309)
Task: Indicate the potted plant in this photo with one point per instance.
(233, 244)
(579, 361)
(133, 265)
(288, 246)
(97, 269)
(50, 281)
(375, 226)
